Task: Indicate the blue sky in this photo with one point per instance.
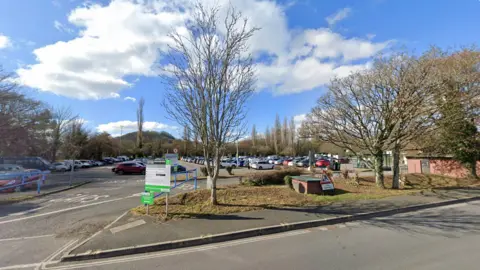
(93, 55)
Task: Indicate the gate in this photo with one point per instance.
(425, 164)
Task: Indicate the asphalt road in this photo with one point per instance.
(439, 238)
(42, 229)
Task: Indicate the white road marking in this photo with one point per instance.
(54, 254)
(20, 266)
(81, 198)
(127, 226)
(323, 228)
(26, 237)
(63, 210)
(176, 252)
(27, 212)
(117, 219)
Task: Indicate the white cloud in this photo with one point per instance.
(298, 119)
(130, 98)
(125, 37)
(114, 95)
(338, 16)
(61, 27)
(126, 126)
(4, 41)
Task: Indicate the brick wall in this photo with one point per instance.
(447, 167)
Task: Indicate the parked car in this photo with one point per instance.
(99, 163)
(303, 163)
(61, 166)
(322, 163)
(129, 167)
(286, 161)
(293, 162)
(11, 175)
(38, 163)
(278, 162)
(262, 165)
(228, 163)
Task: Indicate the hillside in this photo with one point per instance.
(148, 136)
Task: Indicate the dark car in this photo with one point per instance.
(29, 163)
(180, 168)
(129, 167)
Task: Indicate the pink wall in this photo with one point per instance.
(447, 167)
(414, 166)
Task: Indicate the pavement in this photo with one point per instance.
(438, 238)
(41, 229)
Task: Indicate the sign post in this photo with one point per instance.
(157, 179)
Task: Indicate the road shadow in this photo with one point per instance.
(212, 217)
(9, 208)
(447, 222)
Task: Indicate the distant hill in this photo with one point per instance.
(148, 136)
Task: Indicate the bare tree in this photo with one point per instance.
(254, 139)
(140, 120)
(210, 77)
(284, 135)
(267, 137)
(292, 133)
(61, 119)
(186, 139)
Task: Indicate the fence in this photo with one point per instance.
(17, 181)
(194, 173)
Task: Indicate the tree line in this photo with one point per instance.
(30, 127)
(427, 102)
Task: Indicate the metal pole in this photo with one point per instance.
(147, 210)
(195, 181)
(237, 154)
(166, 206)
(72, 167)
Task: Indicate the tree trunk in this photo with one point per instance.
(379, 169)
(396, 166)
(473, 169)
(216, 169)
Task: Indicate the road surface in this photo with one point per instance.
(35, 230)
(440, 238)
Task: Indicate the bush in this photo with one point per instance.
(288, 181)
(229, 170)
(204, 171)
(345, 174)
(270, 178)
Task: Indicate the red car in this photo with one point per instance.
(322, 163)
(129, 167)
(285, 162)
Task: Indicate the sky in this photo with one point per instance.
(100, 57)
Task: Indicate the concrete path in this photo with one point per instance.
(440, 238)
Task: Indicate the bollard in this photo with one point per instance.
(195, 180)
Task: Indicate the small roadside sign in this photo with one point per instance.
(326, 183)
(147, 198)
(175, 150)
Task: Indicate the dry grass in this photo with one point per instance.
(418, 181)
(236, 198)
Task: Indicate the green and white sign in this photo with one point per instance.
(157, 178)
(147, 198)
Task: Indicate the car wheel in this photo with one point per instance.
(260, 167)
(63, 170)
(120, 172)
(233, 166)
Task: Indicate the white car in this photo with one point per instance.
(262, 165)
(99, 163)
(61, 167)
(228, 163)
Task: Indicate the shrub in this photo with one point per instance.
(229, 170)
(204, 171)
(288, 181)
(345, 174)
(270, 178)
